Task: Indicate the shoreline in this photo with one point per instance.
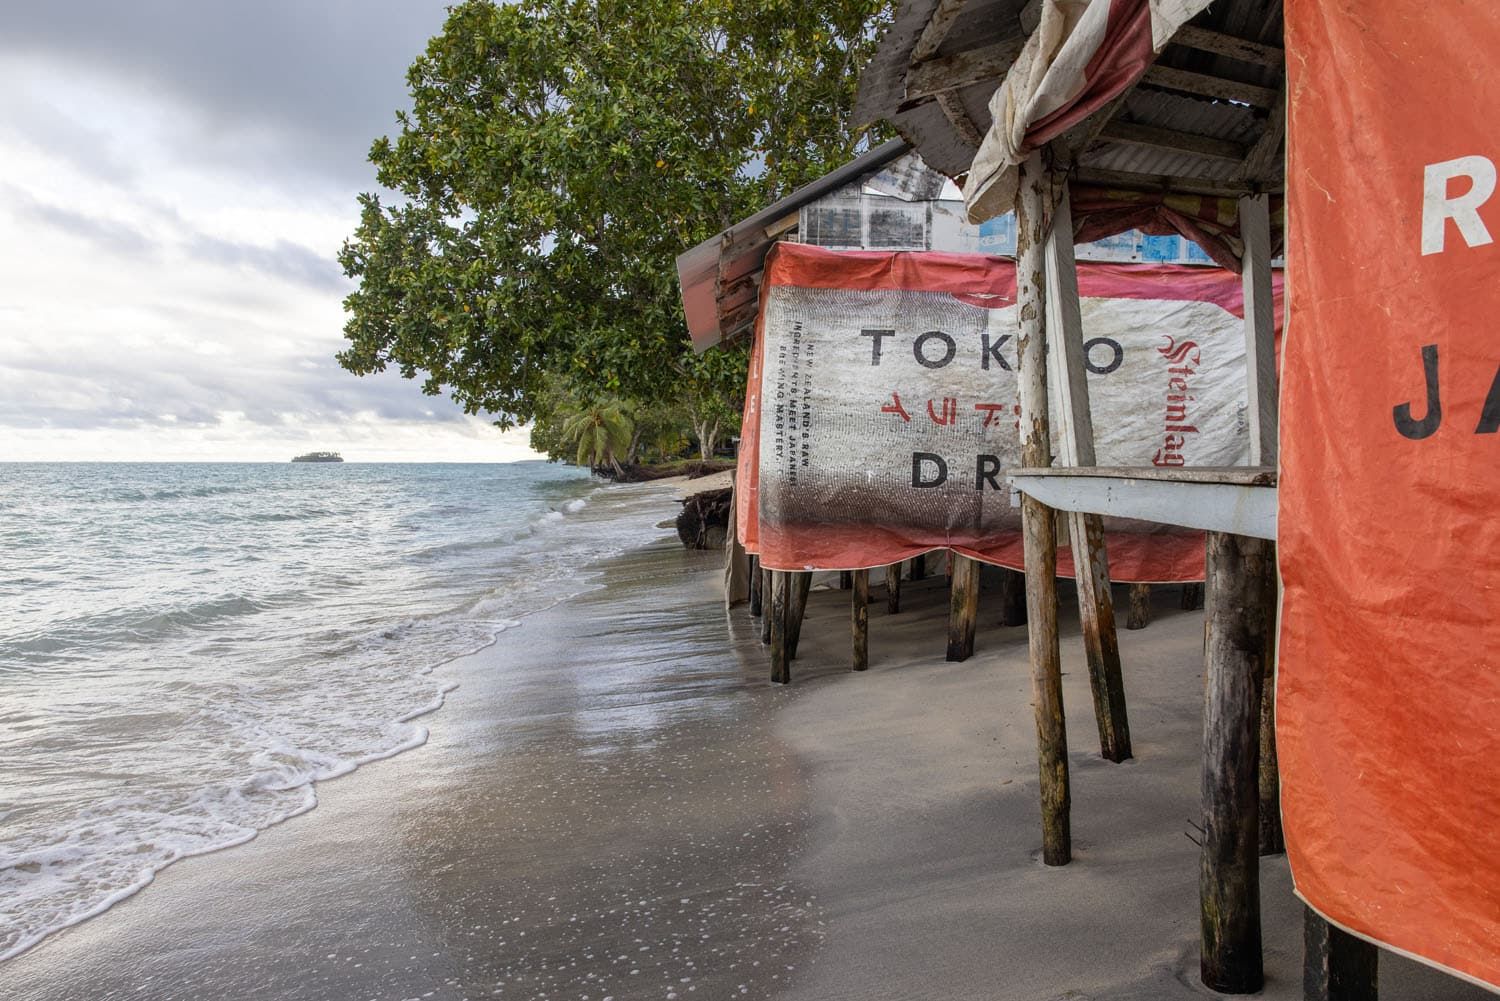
(615, 804)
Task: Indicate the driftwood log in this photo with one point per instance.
(703, 521)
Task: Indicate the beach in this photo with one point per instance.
(614, 803)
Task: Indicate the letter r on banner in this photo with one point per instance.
(1438, 207)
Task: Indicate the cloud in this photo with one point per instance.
(285, 260)
(108, 234)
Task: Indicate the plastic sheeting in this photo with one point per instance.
(882, 404)
(1388, 699)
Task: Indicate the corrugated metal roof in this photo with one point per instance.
(949, 146)
(719, 290)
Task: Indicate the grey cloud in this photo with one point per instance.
(285, 260)
(116, 237)
(91, 151)
(285, 85)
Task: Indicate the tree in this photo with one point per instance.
(557, 156)
(601, 433)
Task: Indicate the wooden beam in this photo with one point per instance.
(1260, 328)
(1336, 966)
(1012, 597)
(1266, 159)
(785, 224)
(1272, 840)
(1135, 134)
(926, 80)
(963, 608)
(859, 619)
(893, 588)
(1130, 181)
(1243, 50)
(1210, 86)
(1038, 525)
(936, 29)
(768, 596)
(1242, 594)
(1096, 612)
(1192, 597)
(1222, 507)
(958, 117)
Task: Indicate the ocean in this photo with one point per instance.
(185, 649)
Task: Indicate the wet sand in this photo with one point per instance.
(614, 804)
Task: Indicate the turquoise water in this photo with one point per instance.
(186, 648)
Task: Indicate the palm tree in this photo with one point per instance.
(601, 432)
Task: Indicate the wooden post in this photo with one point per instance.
(1140, 607)
(1012, 597)
(755, 588)
(1271, 840)
(1038, 523)
(859, 619)
(1096, 610)
(801, 582)
(893, 588)
(846, 579)
(919, 567)
(781, 663)
(1192, 596)
(1241, 584)
(1260, 328)
(1336, 966)
(768, 594)
(963, 608)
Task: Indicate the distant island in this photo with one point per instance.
(319, 457)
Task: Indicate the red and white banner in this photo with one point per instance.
(881, 408)
(1388, 687)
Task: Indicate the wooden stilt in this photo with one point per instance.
(893, 588)
(1096, 610)
(1140, 607)
(1240, 613)
(768, 592)
(919, 567)
(1012, 597)
(801, 583)
(1192, 596)
(1038, 523)
(963, 610)
(755, 588)
(1271, 840)
(846, 579)
(1336, 966)
(781, 663)
(859, 619)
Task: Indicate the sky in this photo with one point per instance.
(176, 178)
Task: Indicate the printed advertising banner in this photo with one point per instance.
(1388, 688)
(882, 405)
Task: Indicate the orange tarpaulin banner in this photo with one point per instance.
(1388, 697)
(881, 408)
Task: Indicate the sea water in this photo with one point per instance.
(185, 649)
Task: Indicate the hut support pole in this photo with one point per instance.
(755, 588)
(1012, 597)
(963, 610)
(859, 618)
(1096, 610)
(800, 583)
(1241, 608)
(1336, 966)
(1140, 607)
(781, 665)
(1038, 522)
(767, 597)
(893, 588)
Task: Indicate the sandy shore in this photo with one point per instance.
(614, 804)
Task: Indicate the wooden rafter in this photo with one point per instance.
(936, 29)
(1162, 182)
(1221, 44)
(958, 117)
(1210, 86)
(926, 80)
(1263, 162)
(1171, 139)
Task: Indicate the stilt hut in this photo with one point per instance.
(1171, 115)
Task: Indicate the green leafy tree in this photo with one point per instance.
(557, 156)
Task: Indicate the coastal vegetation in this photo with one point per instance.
(557, 156)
